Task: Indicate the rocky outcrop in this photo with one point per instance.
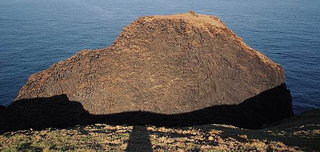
(163, 64)
(2, 111)
(2, 108)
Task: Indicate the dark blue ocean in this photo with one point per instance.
(34, 34)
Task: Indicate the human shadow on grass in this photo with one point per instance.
(139, 140)
(59, 112)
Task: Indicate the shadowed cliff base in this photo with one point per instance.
(57, 111)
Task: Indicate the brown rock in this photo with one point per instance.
(164, 64)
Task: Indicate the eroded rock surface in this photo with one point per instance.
(164, 64)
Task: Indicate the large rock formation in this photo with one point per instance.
(164, 64)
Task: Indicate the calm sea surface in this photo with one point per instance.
(34, 34)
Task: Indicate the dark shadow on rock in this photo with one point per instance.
(40, 113)
(267, 107)
(139, 140)
(57, 111)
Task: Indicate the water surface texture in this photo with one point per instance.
(34, 34)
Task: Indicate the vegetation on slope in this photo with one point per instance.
(300, 133)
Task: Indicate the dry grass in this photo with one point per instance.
(101, 137)
(302, 135)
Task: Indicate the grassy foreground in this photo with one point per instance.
(300, 133)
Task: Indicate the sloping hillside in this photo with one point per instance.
(299, 133)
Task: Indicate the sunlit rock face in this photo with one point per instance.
(164, 64)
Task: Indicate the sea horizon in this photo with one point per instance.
(34, 35)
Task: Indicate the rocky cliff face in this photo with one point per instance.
(164, 64)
